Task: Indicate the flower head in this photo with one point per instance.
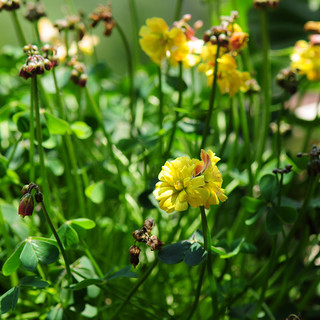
(159, 42)
(26, 205)
(185, 181)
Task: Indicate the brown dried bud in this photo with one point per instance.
(264, 4)
(154, 243)
(26, 205)
(9, 5)
(35, 10)
(139, 235)
(148, 225)
(134, 252)
(287, 79)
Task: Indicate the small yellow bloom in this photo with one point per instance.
(87, 43)
(158, 42)
(185, 181)
(306, 60)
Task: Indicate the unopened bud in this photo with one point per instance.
(154, 243)
(26, 205)
(24, 189)
(38, 196)
(148, 225)
(139, 235)
(134, 252)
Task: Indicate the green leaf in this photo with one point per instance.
(252, 205)
(84, 283)
(174, 253)
(56, 125)
(96, 192)
(33, 281)
(56, 166)
(273, 222)
(174, 82)
(84, 223)
(287, 214)
(195, 255)
(13, 262)
(269, 187)
(68, 236)
(9, 300)
(255, 216)
(218, 250)
(22, 119)
(89, 311)
(5, 113)
(56, 313)
(234, 249)
(123, 273)
(37, 250)
(81, 130)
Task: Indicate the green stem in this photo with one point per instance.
(36, 31)
(31, 136)
(211, 101)
(266, 69)
(43, 170)
(65, 258)
(160, 108)
(134, 290)
(246, 136)
(175, 123)
(131, 75)
(18, 28)
(98, 115)
(198, 291)
(236, 125)
(177, 13)
(92, 259)
(135, 31)
(207, 247)
(278, 131)
(71, 152)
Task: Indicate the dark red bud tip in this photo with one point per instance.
(134, 252)
(26, 205)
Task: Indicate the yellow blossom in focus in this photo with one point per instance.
(158, 42)
(185, 181)
(306, 60)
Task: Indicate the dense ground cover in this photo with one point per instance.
(186, 188)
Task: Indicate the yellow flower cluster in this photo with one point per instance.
(185, 181)
(306, 56)
(179, 44)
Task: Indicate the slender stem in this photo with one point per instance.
(236, 125)
(14, 151)
(31, 136)
(66, 43)
(131, 75)
(71, 152)
(175, 123)
(198, 291)
(160, 107)
(36, 31)
(66, 261)
(18, 28)
(135, 31)
(178, 9)
(279, 125)
(211, 101)
(207, 247)
(43, 170)
(266, 68)
(98, 115)
(134, 289)
(246, 136)
(92, 259)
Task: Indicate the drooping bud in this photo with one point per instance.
(265, 4)
(9, 5)
(103, 13)
(35, 11)
(148, 225)
(134, 252)
(24, 189)
(154, 243)
(26, 205)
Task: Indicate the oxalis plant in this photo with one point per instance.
(178, 181)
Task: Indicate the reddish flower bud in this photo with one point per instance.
(24, 189)
(26, 205)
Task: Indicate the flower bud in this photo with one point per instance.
(26, 205)
(139, 235)
(148, 225)
(134, 252)
(24, 189)
(38, 196)
(154, 243)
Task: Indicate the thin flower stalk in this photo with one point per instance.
(211, 101)
(31, 136)
(71, 151)
(177, 12)
(175, 122)
(43, 170)
(266, 69)
(160, 116)
(131, 76)
(20, 34)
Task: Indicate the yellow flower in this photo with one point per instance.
(158, 42)
(87, 43)
(306, 60)
(185, 181)
(238, 39)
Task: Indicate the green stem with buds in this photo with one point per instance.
(211, 101)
